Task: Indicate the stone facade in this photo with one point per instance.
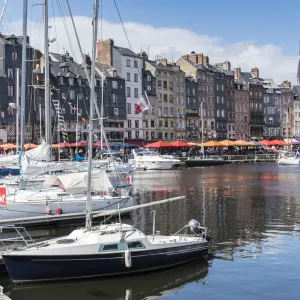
(242, 115)
(129, 67)
(296, 132)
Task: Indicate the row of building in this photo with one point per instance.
(231, 103)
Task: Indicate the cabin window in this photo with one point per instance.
(110, 247)
(135, 245)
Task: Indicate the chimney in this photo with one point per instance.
(87, 60)
(255, 72)
(286, 83)
(237, 73)
(164, 61)
(200, 58)
(206, 60)
(105, 51)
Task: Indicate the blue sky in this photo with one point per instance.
(264, 22)
(265, 34)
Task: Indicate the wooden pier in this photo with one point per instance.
(250, 158)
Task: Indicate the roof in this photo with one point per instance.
(106, 68)
(126, 52)
(248, 77)
(74, 69)
(270, 83)
(160, 66)
(296, 89)
(6, 39)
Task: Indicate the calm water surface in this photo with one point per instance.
(251, 210)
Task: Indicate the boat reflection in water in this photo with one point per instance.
(131, 287)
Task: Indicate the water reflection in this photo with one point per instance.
(253, 213)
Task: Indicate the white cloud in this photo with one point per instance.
(170, 43)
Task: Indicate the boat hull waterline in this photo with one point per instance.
(46, 268)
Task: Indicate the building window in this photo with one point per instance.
(217, 86)
(72, 109)
(136, 123)
(222, 100)
(135, 64)
(71, 94)
(10, 91)
(148, 77)
(218, 113)
(218, 99)
(129, 134)
(115, 84)
(223, 113)
(165, 85)
(128, 76)
(129, 123)
(14, 56)
(149, 88)
(115, 98)
(136, 92)
(128, 62)
(159, 84)
(61, 80)
(222, 87)
(71, 81)
(136, 78)
(116, 111)
(128, 91)
(128, 108)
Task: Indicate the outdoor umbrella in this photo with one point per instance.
(277, 142)
(179, 144)
(226, 143)
(158, 144)
(242, 143)
(8, 146)
(265, 142)
(212, 144)
(29, 146)
(61, 145)
(98, 145)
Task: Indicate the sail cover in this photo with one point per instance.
(77, 182)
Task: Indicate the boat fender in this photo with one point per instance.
(58, 211)
(48, 211)
(128, 261)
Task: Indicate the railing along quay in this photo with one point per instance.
(254, 158)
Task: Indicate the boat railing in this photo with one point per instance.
(22, 237)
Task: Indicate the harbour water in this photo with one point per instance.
(252, 212)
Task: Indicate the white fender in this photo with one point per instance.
(128, 262)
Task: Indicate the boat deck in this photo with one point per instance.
(2, 296)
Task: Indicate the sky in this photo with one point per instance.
(262, 34)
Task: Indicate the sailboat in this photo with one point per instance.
(107, 249)
(57, 194)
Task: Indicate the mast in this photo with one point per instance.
(23, 87)
(88, 223)
(18, 109)
(47, 86)
(102, 114)
(202, 129)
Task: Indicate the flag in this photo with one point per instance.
(74, 107)
(143, 104)
(129, 179)
(2, 196)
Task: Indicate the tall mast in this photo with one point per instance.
(88, 223)
(23, 87)
(202, 129)
(47, 86)
(102, 114)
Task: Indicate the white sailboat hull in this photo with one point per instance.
(65, 205)
(293, 161)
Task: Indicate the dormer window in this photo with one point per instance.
(79, 81)
(61, 80)
(71, 81)
(114, 73)
(13, 41)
